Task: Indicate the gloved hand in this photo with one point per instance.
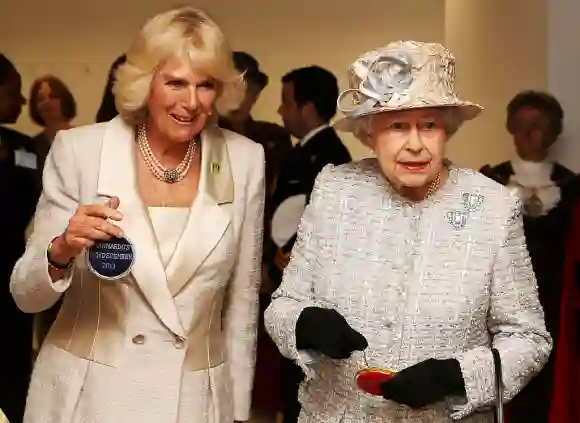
(326, 331)
(425, 383)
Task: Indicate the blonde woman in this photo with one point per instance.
(408, 263)
(171, 337)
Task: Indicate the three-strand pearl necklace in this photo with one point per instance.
(159, 171)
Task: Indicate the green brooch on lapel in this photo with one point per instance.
(215, 168)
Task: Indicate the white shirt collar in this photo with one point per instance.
(533, 173)
(311, 134)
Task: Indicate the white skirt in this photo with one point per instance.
(144, 388)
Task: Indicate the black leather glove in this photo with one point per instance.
(425, 383)
(326, 331)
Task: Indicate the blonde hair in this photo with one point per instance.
(184, 32)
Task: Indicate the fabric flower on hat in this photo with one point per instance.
(388, 77)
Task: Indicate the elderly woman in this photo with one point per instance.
(150, 227)
(408, 263)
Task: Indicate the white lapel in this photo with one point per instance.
(208, 218)
(117, 177)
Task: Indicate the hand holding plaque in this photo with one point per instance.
(111, 258)
(89, 225)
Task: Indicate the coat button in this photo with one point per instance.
(139, 339)
(179, 343)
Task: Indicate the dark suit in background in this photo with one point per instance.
(297, 174)
(19, 190)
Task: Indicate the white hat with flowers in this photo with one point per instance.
(400, 76)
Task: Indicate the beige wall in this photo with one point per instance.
(500, 47)
(564, 62)
(77, 41)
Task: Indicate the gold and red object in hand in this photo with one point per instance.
(370, 379)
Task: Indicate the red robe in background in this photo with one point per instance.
(565, 406)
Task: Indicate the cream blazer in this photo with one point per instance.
(174, 344)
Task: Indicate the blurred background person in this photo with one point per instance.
(274, 138)
(19, 190)
(107, 109)
(51, 106)
(535, 121)
(277, 144)
(308, 104)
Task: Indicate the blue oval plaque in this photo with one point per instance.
(111, 259)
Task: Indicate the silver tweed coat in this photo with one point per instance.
(449, 277)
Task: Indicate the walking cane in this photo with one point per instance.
(498, 417)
